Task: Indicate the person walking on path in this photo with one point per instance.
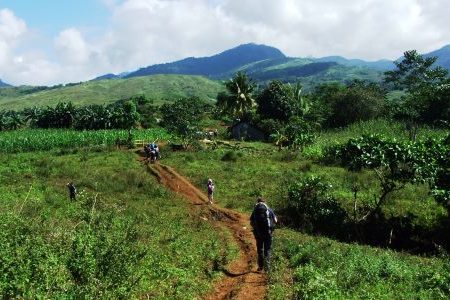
(210, 187)
(263, 221)
(72, 190)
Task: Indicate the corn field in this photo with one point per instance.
(48, 139)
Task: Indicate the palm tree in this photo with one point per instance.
(302, 103)
(238, 100)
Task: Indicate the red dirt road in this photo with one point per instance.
(240, 280)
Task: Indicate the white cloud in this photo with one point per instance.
(72, 47)
(11, 30)
(145, 32)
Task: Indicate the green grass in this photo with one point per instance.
(259, 169)
(306, 267)
(29, 140)
(54, 248)
(124, 237)
(160, 88)
(389, 129)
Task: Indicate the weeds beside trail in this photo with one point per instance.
(240, 280)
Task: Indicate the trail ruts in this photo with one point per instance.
(240, 280)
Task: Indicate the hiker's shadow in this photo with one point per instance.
(236, 274)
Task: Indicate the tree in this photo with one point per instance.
(182, 117)
(93, 117)
(427, 89)
(338, 105)
(10, 120)
(396, 164)
(124, 115)
(238, 100)
(414, 72)
(277, 101)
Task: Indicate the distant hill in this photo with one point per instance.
(380, 65)
(443, 56)
(3, 84)
(215, 65)
(264, 63)
(112, 76)
(160, 88)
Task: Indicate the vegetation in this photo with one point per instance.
(340, 172)
(66, 141)
(159, 88)
(427, 89)
(238, 100)
(183, 118)
(307, 267)
(123, 237)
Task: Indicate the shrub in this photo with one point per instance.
(230, 156)
(310, 207)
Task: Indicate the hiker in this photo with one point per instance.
(263, 221)
(154, 150)
(72, 190)
(147, 151)
(210, 187)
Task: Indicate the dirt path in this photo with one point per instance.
(240, 280)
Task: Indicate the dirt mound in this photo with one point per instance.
(240, 281)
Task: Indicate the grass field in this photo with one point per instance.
(127, 237)
(124, 236)
(160, 88)
(308, 267)
(67, 141)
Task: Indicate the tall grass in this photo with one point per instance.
(47, 139)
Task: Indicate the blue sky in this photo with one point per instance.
(45, 42)
(52, 16)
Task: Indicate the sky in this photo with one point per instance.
(49, 42)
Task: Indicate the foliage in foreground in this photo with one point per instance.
(306, 267)
(124, 236)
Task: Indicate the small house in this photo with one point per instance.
(246, 131)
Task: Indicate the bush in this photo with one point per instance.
(231, 156)
(311, 208)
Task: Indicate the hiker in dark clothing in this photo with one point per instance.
(72, 190)
(263, 221)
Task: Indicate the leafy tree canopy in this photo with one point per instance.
(238, 100)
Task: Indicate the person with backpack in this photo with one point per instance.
(263, 221)
(72, 190)
(210, 187)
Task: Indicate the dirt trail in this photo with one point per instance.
(240, 280)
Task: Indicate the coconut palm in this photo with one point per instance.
(238, 100)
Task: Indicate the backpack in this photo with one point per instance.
(210, 188)
(262, 220)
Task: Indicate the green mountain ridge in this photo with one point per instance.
(201, 77)
(160, 88)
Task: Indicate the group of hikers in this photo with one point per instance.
(152, 152)
(263, 221)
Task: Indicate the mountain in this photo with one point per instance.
(443, 56)
(112, 76)
(264, 63)
(214, 66)
(2, 84)
(106, 76)
(381, 65)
